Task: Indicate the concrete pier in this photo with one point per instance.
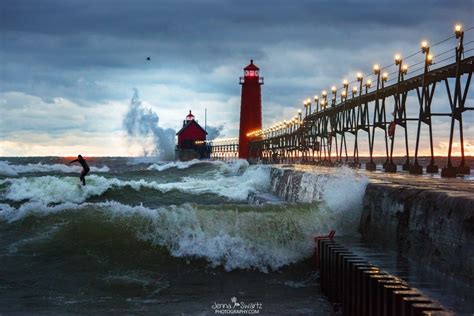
(425, 218)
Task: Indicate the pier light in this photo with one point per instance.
(308, 101)
(324, 93)
(299, 111)
(376, 69)
(404, 69)
(429, 59)
(343, 94)
(354, 91)
(304, 103)
(368, 83)
(385, 76)
(333, 89)
(458, 30)
(398, 59)
(424, 46)
(345, 83)
(316, 98)
(359, 76)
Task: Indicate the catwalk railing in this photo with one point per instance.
(223, 149)
(321, 137)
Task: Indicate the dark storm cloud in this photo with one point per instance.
(116, 34)
(90, 51)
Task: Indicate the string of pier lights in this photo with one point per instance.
(220, 141)
(321, 103)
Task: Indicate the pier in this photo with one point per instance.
(405, 221)
(417, 205)
(372, 116)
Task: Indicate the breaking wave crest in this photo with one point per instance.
(11, 170)
(53, 189)
(233, 166)
(234, 236)
(263, 238)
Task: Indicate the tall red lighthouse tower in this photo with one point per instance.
(250, 108)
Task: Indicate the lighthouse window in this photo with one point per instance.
(256, 72)
(246, 72)
(252, 73)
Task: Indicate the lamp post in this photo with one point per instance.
(345, 84)
(370, 165)
(324, 102)
(368, 85)
(399, 114)
(307, 106)
(360, 115)
(334, 95)
(424, 115)
(343, 95)
(360, 79)
(316, 102)
(457, 112)
(384, 79)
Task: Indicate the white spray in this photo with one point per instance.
(142, 127)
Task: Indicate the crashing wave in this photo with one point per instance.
(10, 170)
(52, 189)
(233, 166)
(262, 238)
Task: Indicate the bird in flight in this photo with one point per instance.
(148, 58)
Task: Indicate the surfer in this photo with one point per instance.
(85, 168)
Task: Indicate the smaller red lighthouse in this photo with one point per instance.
(250, 107)
(191, 140)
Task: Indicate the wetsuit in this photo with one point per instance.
(85, 169)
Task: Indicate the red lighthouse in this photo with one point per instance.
(250, 108)
(191, 140)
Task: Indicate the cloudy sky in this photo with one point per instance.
(68, 68)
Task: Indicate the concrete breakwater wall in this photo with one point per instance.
(432, 226)
(420, 219)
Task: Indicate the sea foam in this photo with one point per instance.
(11, 170)
(263, 238)
(257, 237)
(233, 166)
(53, 189)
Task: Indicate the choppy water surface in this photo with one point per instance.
(148, 236)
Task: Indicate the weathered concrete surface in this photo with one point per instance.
(430, 224)
(425, 218)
